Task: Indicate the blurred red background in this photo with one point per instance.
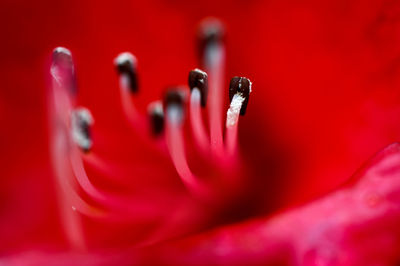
(325, 97)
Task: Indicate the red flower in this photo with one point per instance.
(324, 100)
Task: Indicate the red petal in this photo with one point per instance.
(355, 225)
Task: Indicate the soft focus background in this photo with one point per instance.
(325, 97)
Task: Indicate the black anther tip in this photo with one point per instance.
(242, 86)
(126, 65)
(81, 128)
(211, 31)
(156, 115)
(174, 96)
(198, 79)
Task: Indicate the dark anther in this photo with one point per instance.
(126, 67)
(198, 79)
(211, 32)
(174, 96)
(242, 86)
(174, 100)
(63, 69)
(156, 114)
(81, 122)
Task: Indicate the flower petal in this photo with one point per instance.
(355, 225)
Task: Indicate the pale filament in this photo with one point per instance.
(69, 160)
(196, 120)
(126, 206)
(176, 147)
(67, 195)
(139, 122)
(135, 118)
(60, 105)
(232, 121)
(214, 66)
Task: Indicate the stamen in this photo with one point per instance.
(71, 197)
(122, 207)
(242, 86)
(67, 197)
(239, 92)
(210, 35)
(73, 126)
(232, 116)
(126, 67)
(156, 114)
(72, 202)
(81, 121)
(198, 79)
(213, 58)
(174, 100)
(62, 91)
(232, 119)
(199, 87)
(136, 119)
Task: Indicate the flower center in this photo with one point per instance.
(161, 127)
